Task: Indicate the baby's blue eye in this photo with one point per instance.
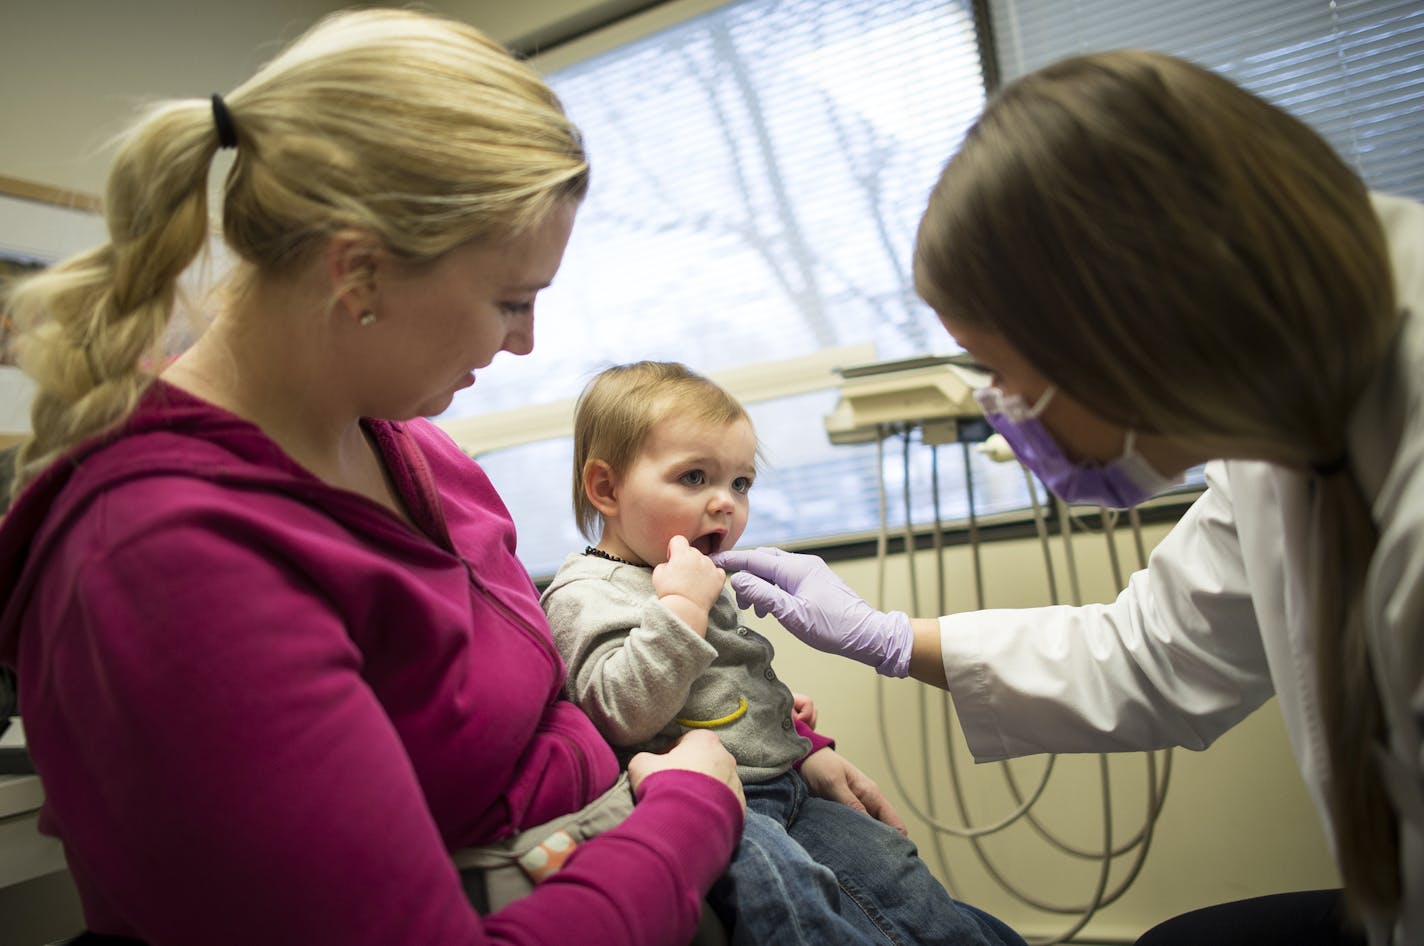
(693, 478)
(742, 484)
(516, 308)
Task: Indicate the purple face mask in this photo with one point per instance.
(1117, 484)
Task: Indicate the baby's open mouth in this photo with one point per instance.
(709, 543)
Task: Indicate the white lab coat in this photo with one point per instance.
(1221, 618)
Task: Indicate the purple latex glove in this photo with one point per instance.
(809, 600)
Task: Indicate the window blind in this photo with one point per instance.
(1353, 69)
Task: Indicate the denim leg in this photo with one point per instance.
(881, 870)
(774, 892)
(993, 926)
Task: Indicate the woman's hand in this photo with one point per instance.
(698, 751)
(830, 775)
(809, 600)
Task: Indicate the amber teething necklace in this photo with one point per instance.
(599, 553)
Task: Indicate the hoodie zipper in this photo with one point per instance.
(545, 644)
(421, 481)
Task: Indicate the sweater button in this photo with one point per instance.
(769, 674)
(741, 632)
(787, 723)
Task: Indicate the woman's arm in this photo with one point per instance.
(221, 771)
(926, 657)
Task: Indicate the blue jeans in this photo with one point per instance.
(813, 872)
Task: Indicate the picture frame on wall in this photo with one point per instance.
(38, 225)
(12, 267)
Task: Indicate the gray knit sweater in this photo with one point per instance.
(645, 678)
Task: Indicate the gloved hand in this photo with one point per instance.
(809, 600)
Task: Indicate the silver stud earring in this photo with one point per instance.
(367, 318)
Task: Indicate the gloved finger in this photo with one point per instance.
(753, 560)
(742, 601)
(762, 595)
(731, 560)
(787, 569)
(790, 570)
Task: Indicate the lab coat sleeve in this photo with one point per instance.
(1395, 583)
(1176, 660)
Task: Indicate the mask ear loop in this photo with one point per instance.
(992, 400)
(1042, 404)
(1128, 442)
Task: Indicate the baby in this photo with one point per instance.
(664, 460)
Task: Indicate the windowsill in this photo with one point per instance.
(996, 527)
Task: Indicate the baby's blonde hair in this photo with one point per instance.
(622, 404)
(415, 128)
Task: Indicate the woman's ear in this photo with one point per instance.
(600, 485)
(353, 260)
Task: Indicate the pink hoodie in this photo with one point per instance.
(264, 709)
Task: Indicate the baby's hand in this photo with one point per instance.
(803, 708)
(688, 583)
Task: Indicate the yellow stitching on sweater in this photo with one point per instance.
(733, 716)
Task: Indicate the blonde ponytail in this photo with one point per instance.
(414, 128)
(88, 324)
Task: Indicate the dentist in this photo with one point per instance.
(1158, 269)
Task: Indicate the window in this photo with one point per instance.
(758, 173)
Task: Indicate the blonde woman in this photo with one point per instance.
(277, 659)
(1158, 269)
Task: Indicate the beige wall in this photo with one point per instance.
(1236, 822)
(72, 72)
